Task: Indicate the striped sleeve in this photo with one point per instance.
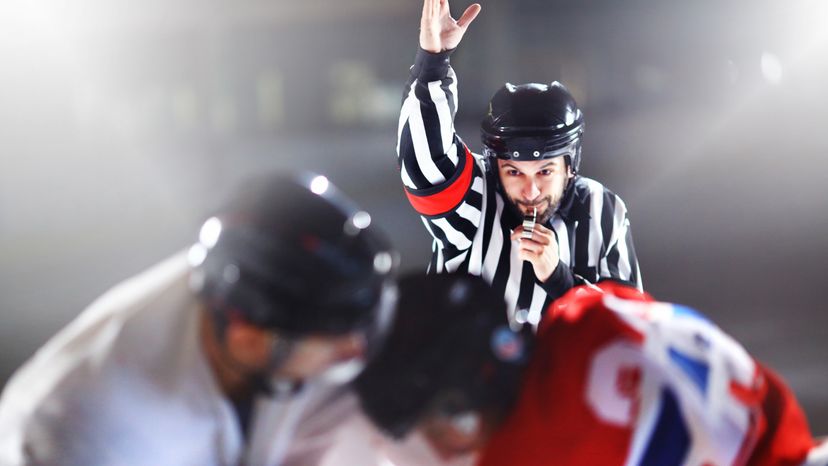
(619, 260)
(454, 231)
(436, 168)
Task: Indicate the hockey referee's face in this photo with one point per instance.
(536, 183)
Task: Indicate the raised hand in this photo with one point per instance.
(438, 30)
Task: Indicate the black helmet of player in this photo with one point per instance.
(450, 352)
(533, 121)
(291, 253)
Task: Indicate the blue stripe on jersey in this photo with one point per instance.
(695, 369)
(684, 311)
(670, 441)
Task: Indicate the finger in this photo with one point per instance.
(539, 238)
(518, 235)
(547, 235)
(469, 15)
(546, 232)
(540, 227)
(531, 246)
(528, 256)
(536, 237)
(428, 9)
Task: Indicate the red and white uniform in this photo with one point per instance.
(618, 379)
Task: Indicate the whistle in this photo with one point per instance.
(529, 224)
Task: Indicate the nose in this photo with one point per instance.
(531, 191)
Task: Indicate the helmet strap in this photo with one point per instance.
(281, 347)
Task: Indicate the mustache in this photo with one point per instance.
(532, 204)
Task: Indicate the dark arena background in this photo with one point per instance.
(123, 123)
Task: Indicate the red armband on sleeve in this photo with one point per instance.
(449, 194)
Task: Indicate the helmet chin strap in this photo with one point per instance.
(264, 381)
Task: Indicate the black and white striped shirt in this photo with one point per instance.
(458, 198)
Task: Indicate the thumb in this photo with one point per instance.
(469, 15)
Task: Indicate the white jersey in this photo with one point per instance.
(127, 383)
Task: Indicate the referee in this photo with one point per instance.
(520, 215)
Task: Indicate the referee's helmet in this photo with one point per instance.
(531, 122)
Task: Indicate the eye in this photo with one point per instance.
(545, 172)
(512, 172)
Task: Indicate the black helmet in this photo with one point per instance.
(533, 121)
(450, 351)
(292, 253)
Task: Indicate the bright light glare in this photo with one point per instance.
(383, 262)
(771, 68)
(810, 18)
(319, 185)
(361, 220)
(35, 18)
(196, 255)
(43, 27)
(209, 234)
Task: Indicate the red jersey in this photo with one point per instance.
(619, 379)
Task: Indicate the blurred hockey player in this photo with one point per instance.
(234, 353)
(612, 378)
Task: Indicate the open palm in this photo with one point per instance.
(438, 30)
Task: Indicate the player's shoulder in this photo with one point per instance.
(136, 292)
(597, 304)
(586, 187)
(89, 417)
(585, 190)
(81, 357)
(59, 406)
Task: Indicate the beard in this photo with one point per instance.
(547, 206)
